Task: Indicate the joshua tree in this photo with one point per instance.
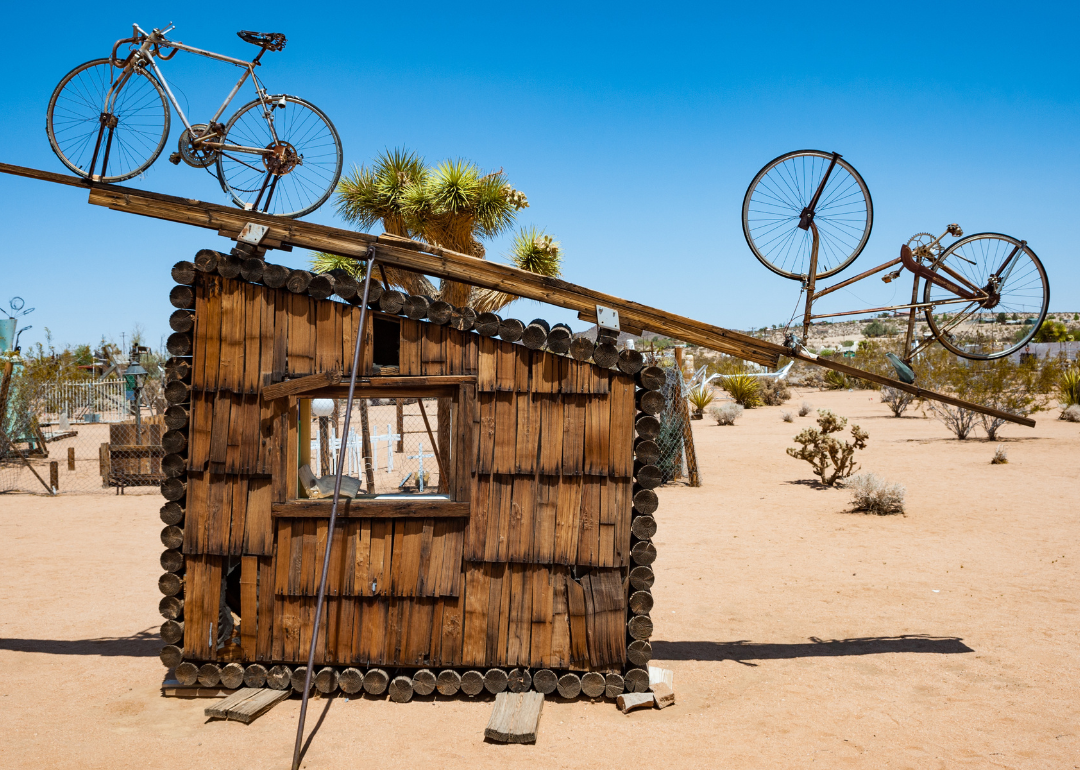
(454, 206)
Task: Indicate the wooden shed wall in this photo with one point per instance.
(550, 482)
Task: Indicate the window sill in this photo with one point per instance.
(381, 507)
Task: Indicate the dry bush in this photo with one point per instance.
(787, 417)
(726, 414)
(831, 459)
(744, 389)
(959, 421)
(1001, 457)
(773, 392)
(898, 400)
(875, 495)
(805, 409)
(835, 380)
(1071, 413)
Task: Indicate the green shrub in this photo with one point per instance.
(847, 343)
(835, 380)
(1069, 387)
(1052, 331)
(744, 389)
(700, 397)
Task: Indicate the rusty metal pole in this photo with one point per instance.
(811, 280)
(333, 516)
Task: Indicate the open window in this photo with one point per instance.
(404, 452)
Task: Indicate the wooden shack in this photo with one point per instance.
(527, 564)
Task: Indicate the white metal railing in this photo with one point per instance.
(102, 401)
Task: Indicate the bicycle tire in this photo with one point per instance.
(240, 182)
(776, 221)
(72, 120)
(1028, 291)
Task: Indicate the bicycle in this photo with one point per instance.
(278, 154)
(808, 214)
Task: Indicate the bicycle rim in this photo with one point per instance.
(304, 187)
(73, 121)
(775, 199)
(970, 330)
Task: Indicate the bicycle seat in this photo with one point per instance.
(271, 41)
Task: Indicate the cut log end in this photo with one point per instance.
(646, 502)
(519, 680)
(449, 682)
(639, 653)
(495, 681)
(232, 675)
(376, 681)
(326, 681)
(643, 527)
(643, 553)
(642, 578)
(171, 607)
(187, 673)
(545, 681)
(401, 689)
(569, 686)
(279, 678)
(636, 680)
(171, 656)
(424, 682)
(613, 686)
(255, 676)
(640, 627)
(593, 684)
(351, 681)
(209, 675)
(472, 683)
(299, 674)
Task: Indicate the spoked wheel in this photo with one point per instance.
(777, 198)
(1013, 277)
(301, 169)
(138, 116)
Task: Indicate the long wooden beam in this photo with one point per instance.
(443, 263)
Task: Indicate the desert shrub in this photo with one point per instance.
(744, 389)
(835, 380)
(773, 392)
(847, 343)
(960, 422)
(1052, 331)
(726, 414)
(787, 417)
(1069, 387)
(1001, 457)
(877, 329)
(1071, 413)
(830, 458)
(875, 495)
(700, 397)
(898, 400)
(726, 365)
(805, 409)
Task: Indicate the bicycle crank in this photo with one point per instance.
(193, 149)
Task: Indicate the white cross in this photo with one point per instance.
(389, 438)
(420, 456)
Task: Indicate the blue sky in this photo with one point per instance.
(634, 130)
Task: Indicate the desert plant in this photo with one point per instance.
(700, 397)
(726, 414)
(830, 458)
(787, 417)
(805, 409)
(898, 400)
(960, 421)
(744, 389)
(875, 495)
(774, 392)
(875, 329)
(835, 380)
(1001, 457)
(1069, 387)
(1052, 331)
(1071, 413)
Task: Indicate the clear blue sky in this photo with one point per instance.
(634, 130)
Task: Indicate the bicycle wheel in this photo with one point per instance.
(1016, 281)
(304, 169)
(776, 198)
(73, 121)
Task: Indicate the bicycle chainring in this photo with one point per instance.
(197, 155)
(921, 248)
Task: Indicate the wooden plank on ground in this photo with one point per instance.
(247, 704)
(515, 717)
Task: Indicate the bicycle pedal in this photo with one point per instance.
(175, 159)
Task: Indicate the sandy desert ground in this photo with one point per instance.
(800, 634)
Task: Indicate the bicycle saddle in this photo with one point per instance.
(271, 41)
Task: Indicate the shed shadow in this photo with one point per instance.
(144, 644)
(743, 651)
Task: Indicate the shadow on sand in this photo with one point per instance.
(743, 651)
(145, 644)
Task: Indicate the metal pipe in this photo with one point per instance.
(918, 306)
(333, 516)
(859, 277)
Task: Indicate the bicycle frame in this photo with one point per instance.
(147, 53)
(966, 291)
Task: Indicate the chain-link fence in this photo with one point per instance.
(678, 458)
(80, 437)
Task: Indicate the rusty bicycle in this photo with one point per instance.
(108, 120)
(808, 214)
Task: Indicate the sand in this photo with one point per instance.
(800, 633)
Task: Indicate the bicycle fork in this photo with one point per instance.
(107, 120)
